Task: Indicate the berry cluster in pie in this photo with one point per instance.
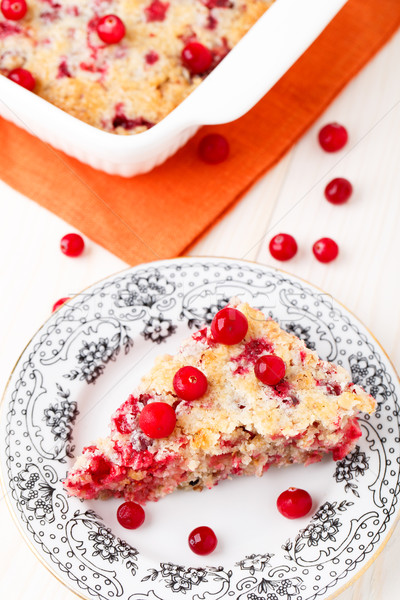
(238, 397)
(120, 65)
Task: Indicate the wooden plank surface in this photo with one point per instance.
(290, 199)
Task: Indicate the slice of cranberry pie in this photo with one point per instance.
(238, 397)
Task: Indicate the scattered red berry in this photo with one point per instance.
(283, 246)
(333, 137)
(229, 326)
(190, 383)
(196, 58)
(110, 29)
(23, 77)
(270, 369)
(59, 303)
(325, 250)
(294, 503)
(130, 515)
(202, 540)
(213, 148)
(338, 191)
(157, 420)
(72, 244)
(14, 9)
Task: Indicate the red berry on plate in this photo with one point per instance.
(270, 369)
(283, 246)
(202, 540)
(213, 148)
(23, 77)
(157, 420)
(294, 503)
(110, 29)
(72, 244)
(229, 326)
(14, 9)
(130, 515)
(338, 191)
(196, 58)
(190, 383)
(325, 250)
(333, 137)
(59, 303)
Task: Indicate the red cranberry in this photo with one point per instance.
(325, 250)
(294, 503)
(156, 11)
(202, 540)
(72, 244)
(130, 515)
(157, 420)
(59, 303)
(151, 57)
(213, 148)
(283, 246)
(196, 58)
(270, 369)
(110, 29)
(229, 326)
(100, 469)
(190, 383)
(338, 191)
(23, 77)
(14, 9)
(333, 137)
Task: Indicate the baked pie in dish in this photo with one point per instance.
(238, 397)
(128, 79)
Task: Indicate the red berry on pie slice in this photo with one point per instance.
(265, 400)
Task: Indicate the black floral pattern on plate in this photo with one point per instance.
(94, 355)
(158, 329)
(369, 377)
(60, 417)
(145, 290)
(255, 562)
(353, 465)
(36, 494)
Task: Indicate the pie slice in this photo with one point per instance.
(249, 415)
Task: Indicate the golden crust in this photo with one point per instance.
(239, 425)
(103, 77)
(233, 401)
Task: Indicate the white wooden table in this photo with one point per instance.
(34, 273)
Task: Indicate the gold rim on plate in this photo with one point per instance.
(239, 260)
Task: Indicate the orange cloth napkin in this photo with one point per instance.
(161, 214)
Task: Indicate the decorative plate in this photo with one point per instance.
(84, 362)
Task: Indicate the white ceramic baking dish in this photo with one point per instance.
(254, 65)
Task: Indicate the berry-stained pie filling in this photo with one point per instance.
(121, 65)
(237, 398)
